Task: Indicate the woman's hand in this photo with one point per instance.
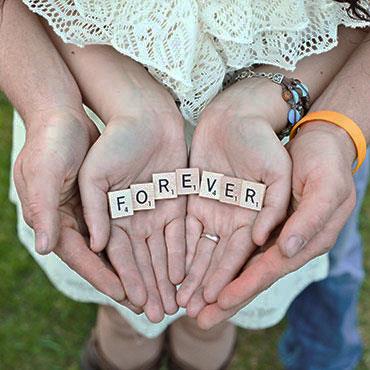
(323, 198)
(147, 249)
(45, 176)
(234, 138)
(41, 88)
(144, 135)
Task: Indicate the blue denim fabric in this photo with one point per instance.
(322, 331)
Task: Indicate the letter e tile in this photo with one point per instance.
(230, 190)
(187, 181)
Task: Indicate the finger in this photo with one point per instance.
(311, 216)
(254, 279)
(272, 264)
(153, 307)
(167, 290)
(197, 271)
(274, 209)
(39, 190)
(194, 229)
(197, 301)
(95, 208)
(213, 315)
(176, 248)
(73, 250)
(239, 247)
(120, 255)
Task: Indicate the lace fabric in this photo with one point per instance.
(191, 45)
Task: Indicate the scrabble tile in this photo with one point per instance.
(210, 186)
(252, 195)
(142, 196)
(230, 190)
(187, 180)
(120, 203)
(165, 185)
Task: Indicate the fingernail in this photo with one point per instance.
(293, 245)
(42, 245)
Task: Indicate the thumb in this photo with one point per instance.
(39, 193)
(95, 209)
(311, 216)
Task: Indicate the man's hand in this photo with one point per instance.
(45, 176)
(323, 198)
(46, 170)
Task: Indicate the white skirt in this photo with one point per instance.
(266, 310)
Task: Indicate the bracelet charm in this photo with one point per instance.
(294, 93)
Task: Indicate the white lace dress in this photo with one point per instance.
(190, 46)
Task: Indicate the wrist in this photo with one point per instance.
(274, 107)
(262, 98)
(164, 127)
(72, 119)
(340, 136)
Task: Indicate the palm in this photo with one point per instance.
(235, 153)
(129, 152)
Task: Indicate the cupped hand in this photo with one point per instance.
(238, 142)
(147, 249)
(45, 176)
(323, 199)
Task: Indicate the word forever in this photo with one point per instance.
(186, 181)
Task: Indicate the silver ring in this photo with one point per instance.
(214, 238)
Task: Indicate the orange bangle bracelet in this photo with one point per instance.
(352, 129)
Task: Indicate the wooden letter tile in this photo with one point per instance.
(142, 196)
(120, 203)
(230, 190)
(165, 185)
(252, 195)
(187, 180)
(210, 186)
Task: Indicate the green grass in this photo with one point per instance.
(41, 329)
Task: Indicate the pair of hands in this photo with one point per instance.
(64, 172)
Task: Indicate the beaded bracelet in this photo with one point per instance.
(294, 92)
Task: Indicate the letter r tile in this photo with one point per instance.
(142, 196)
(120, 203)
(165, 185)
(252, 195)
